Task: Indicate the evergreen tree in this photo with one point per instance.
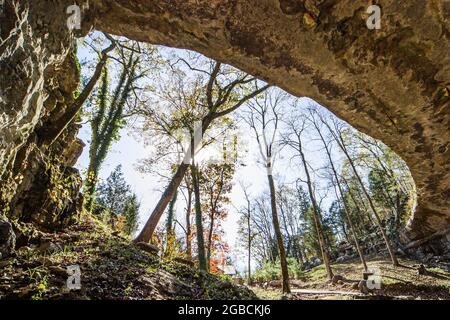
(111, 194)
(131, 213)
(114, 198)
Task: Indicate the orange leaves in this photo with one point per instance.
(215, 265)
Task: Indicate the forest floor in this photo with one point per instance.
(404, 283)
(111, 268)
(114, 268)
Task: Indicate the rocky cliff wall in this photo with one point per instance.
(39, 76)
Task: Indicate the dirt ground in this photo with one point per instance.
(402, 282)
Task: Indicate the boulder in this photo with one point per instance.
(7, 239)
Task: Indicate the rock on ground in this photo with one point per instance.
(7, 239)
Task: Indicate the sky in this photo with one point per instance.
(128, 151)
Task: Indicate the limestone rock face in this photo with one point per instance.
(38, 78)
(392, 83)
(32, 51)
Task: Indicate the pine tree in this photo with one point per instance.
(131, 213)
(112, 193)
(114, 198)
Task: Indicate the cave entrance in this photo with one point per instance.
(253, 143)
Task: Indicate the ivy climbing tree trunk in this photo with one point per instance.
(171, 215)
(170, 231)
(106, 123)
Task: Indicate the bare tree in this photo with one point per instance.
(337, 132)
(247, 215)
(296, 126)
(263, 117)
(198, 216)
(327, 148)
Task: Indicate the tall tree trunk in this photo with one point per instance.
(210, 234)
(249, 274)
(346, 209)
(198, 219)
(170, 230)
(150, 226)
(188, 225)
(91, 184)
(279, 237)
(316, 216)
(371, 204)
(170, 215)
(350, 224)
(105, 122)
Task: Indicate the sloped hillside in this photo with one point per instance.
(111, 268)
